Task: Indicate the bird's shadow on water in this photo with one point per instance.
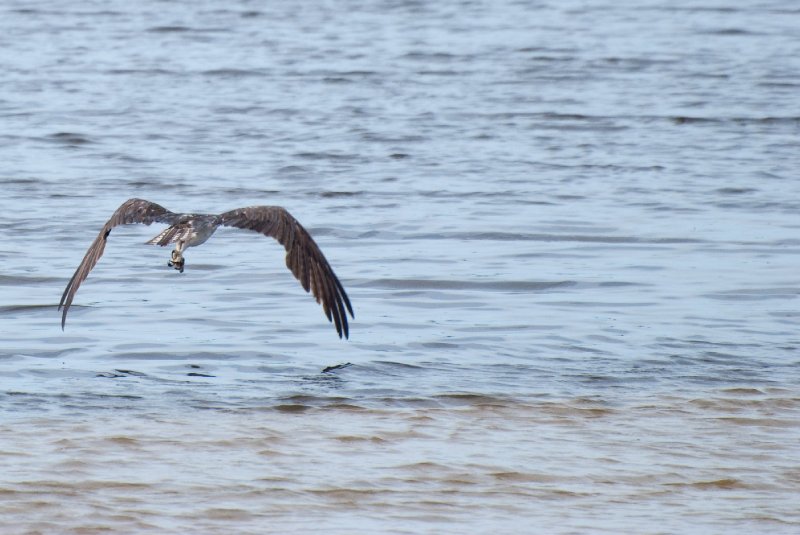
(117, 373)
(336, 367)
(329, 376)
(292, 391)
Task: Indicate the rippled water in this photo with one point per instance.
(569, 231)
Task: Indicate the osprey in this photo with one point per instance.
(303, 257)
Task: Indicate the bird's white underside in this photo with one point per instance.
(189, 236)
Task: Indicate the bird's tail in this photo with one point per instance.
(170, 235)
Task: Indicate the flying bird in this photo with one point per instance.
(303, 256)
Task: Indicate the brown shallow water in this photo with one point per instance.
(569, 231)
(444, 464)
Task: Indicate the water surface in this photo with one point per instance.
(569, 232)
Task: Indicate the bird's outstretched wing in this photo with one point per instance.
(131, 211)
(303, 257)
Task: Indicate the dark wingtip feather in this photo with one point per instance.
(347, 304)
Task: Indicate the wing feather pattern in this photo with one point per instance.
(303, 257)
(131, 211)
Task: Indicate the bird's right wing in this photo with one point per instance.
(303, 257)
(131, 211)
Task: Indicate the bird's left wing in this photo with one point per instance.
(131, 211)
(303, 257)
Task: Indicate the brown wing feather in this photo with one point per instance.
(131, 211)
(303, 257)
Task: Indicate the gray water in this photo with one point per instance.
(569, 231)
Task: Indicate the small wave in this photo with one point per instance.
(291, 408)
(727, 483)
(433, 56)
(70, 139)
(147, 72)
(233, 73)
(430, 284)
(22, 181)
(334, 194)
(237, 110)
(17, 309)
(293, 171)
(13, 280)
(442, 72)
(169, 29)
(514, 236)
(184, 29)
(735, 191)
(474, 399)
(728, 31)
(779, 85)
(683, 119)
(327, 156)
(755, 294)
(346, 77)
